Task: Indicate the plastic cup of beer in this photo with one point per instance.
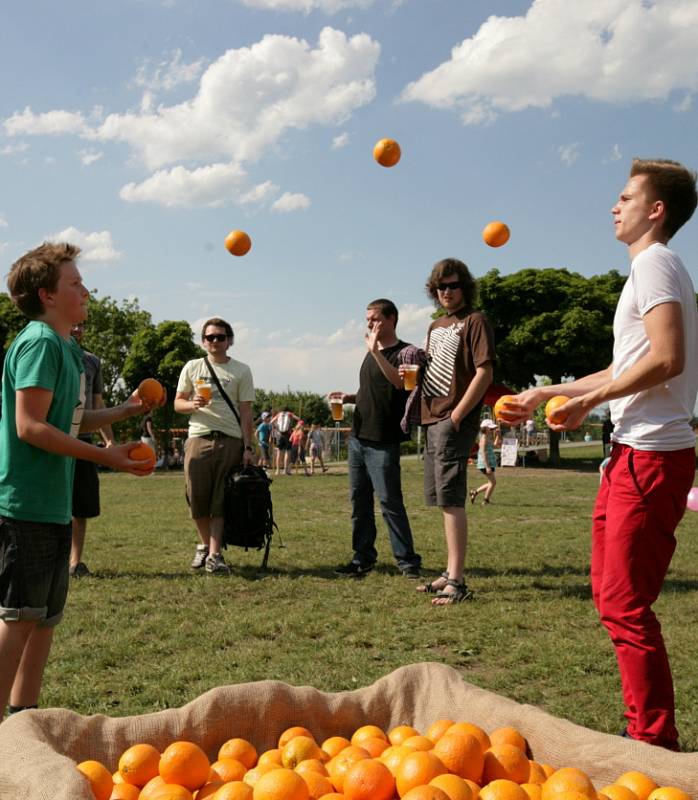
(337, 409)
(203, 389)
(410, 376)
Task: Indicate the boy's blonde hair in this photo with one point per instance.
(38, 269)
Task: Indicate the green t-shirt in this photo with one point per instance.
(37, 485)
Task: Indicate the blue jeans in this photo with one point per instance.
(375, 467)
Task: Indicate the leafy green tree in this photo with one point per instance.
(11, 323)
(160, 351)
(550, 322)
(111, 328)
(310, 406)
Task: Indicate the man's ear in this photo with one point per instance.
(657, 210)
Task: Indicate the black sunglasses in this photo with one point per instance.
(215, 337)
(442, 287)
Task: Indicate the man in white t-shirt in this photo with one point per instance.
(651, 388)
(218, 437)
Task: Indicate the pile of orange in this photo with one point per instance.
(449, 761)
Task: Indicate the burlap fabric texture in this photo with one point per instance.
(38, 749)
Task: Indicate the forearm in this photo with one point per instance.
(577, 388)
(390, 372)
(47, 437)
(246, 424)
(107, 435)
(98, 418)
(473, 394)
(651, 370)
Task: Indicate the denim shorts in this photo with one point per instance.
(445, 463)
(33, 570)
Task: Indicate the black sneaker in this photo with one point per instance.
(79, 570)
(411, 571)
(353, 569)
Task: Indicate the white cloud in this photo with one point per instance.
(14, 149)
(617, 51)
(3, 221)
(684, 105)
(616, 154)
(209, 186)
(246, 101)
(50, 123)
(259, 193)
(340, 141)
(328, 6)
(569, 153)
(97, 246)
(168, 73)
(88, 157)
(291, 202)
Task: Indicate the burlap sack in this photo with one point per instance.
(38, 749)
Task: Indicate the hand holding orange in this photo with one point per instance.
(151, 391)
(142, 452)
(552, 414)
(501, 406)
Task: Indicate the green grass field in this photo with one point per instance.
(145, 633)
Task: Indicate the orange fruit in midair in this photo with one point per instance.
(387, 152)
(496, 234)
(238, 243)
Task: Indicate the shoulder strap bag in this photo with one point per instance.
(220, 389)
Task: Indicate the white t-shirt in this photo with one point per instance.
(236, 380)
(657, 418)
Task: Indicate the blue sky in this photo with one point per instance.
(146, 130)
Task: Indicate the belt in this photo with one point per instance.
(216, 435)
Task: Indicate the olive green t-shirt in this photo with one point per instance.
(36, 485)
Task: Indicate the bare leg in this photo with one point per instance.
(492, 482)
(27, 683)
(13, 638)
(204, 530)
(216, 530)
(78, 540)
(456, 531)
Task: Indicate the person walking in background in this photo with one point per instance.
(263, 434)
(86, 478)
(651, 388)
(316, 447)
(282, 424)
(374, 448)
(486, 460)
(298, 437)
(219, 437)
(460, 358)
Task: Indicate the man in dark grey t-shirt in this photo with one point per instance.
(374, 448)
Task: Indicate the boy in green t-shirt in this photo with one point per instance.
(43, 392)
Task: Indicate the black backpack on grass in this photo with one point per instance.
(248, 517)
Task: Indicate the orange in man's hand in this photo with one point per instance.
(150, 390)
(142, 452)
(501, 405)
(551, 409)
(387, 152)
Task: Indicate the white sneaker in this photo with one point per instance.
(199, 556)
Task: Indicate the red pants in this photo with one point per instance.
(640, 502)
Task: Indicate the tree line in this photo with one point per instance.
(547, 322)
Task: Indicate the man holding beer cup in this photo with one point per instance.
(374, 447)
(217, 440)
